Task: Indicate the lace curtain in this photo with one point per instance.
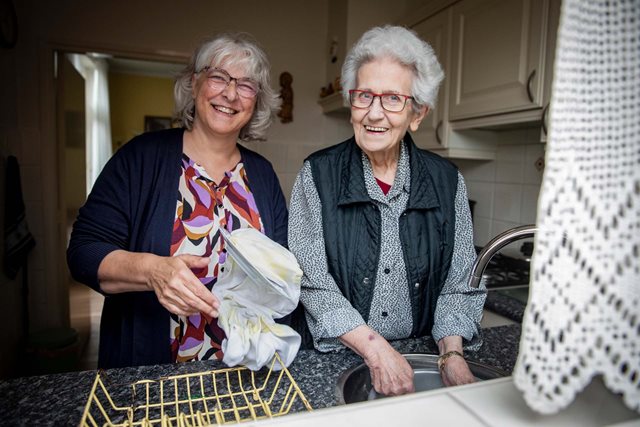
(94, 70)
(583, 318)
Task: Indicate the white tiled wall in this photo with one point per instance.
(505, 189)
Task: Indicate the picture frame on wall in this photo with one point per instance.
(152, 123)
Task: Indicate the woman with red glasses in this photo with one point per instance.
(148, 236)
(382, 229)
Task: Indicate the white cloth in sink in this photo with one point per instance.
(249, 305)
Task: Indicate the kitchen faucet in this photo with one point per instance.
(497, 243)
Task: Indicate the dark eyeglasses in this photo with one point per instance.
(392, 102)
(219, 79)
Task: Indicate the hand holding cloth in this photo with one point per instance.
(249, 304)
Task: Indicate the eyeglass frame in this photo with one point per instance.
(208, 68)
(379, 95)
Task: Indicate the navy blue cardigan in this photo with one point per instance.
(132, 207)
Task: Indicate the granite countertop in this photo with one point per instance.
(504, 305)
(60, 399)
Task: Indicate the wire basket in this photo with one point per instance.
(223, 396)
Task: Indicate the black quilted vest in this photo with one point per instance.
(352, 223)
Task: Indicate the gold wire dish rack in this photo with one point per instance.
(210, 398)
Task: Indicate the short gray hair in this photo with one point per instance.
(230, 49)
(404, 46)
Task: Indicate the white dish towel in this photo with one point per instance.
(248, 306)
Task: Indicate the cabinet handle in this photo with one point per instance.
(533, 73)
(544, 118)
(438, 132)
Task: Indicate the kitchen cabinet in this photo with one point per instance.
(434, 129)
(552, 33)
(435, 132)
(498, 61)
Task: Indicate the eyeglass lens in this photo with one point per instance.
(220, 79)
(390, 101)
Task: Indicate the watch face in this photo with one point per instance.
(8, 24)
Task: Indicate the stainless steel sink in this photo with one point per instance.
(354, 385)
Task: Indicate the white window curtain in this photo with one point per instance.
(94, 70)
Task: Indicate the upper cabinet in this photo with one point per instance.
(498, 64)
(434, 130)
(498, 60)
(497, 56)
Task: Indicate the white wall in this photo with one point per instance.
(505, 189)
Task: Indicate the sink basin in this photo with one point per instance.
(354, 385)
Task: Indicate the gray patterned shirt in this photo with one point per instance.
(329, 315)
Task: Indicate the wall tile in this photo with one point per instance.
(297, 154)
(529, 204)
(286, 182)
(481, 231)
(532, 175)
(507, 202)
(509, 153)
(483, 194)
(276, 154)
(509, 172)
(478, 171)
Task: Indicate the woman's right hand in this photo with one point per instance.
(391, 374)
(178, 289)
(171, 278)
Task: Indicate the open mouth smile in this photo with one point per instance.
(225, 110)
(375, 129)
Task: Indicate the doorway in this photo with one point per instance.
(137, 89)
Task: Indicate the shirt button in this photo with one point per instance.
(385, 314)
(220, 206)
(417, 285)
(387, 271)
(366, 280)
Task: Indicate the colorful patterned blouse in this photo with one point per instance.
(202, 208)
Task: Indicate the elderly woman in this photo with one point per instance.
(148, 236)
(382, 229)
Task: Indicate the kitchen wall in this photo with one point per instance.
(505, 189)
(131, 98)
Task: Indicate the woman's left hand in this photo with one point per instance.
(456, 372)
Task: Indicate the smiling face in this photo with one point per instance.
(221, 113)
(376, 130)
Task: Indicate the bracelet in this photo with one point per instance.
(443, 358)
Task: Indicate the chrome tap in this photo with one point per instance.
(497, 243)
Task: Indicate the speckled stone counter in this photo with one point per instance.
(60, 399)
(506, 306)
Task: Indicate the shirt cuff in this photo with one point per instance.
(331, 325)
(458, 325)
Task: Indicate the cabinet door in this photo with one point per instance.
(498, 59)
(434, 129)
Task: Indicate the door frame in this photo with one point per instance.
(52, 162)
